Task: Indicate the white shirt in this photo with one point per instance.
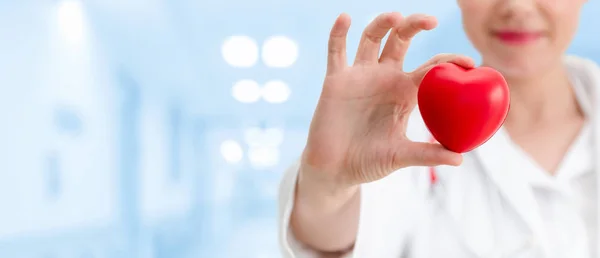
(567, 201)
(497, 204)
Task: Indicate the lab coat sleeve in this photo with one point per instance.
(389, 210)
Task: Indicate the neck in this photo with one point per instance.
(542, 100)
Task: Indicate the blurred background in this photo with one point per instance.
(161, 128)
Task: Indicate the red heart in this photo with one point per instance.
(463, 108)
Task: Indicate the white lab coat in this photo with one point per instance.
(479, 209)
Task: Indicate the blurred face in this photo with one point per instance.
(521, 37)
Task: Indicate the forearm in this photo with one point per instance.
(325, 219)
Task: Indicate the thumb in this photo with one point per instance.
(427, 154)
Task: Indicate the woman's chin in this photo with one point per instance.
(518, 68)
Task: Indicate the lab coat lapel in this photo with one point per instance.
(594, 83)
(506, 176)
(588, 74)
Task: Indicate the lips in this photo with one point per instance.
(518, 37)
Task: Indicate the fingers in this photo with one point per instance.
(428, 154)
(336, 57)
(370, 43)
(463, 61)
(399, 40)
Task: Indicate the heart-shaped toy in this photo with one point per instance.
(463, 108)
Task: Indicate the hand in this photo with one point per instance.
(358, 132)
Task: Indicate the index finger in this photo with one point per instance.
(370, 42)
(397, 45)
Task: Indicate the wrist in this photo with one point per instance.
(318, 188)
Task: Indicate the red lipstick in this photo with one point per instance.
(517, 37)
